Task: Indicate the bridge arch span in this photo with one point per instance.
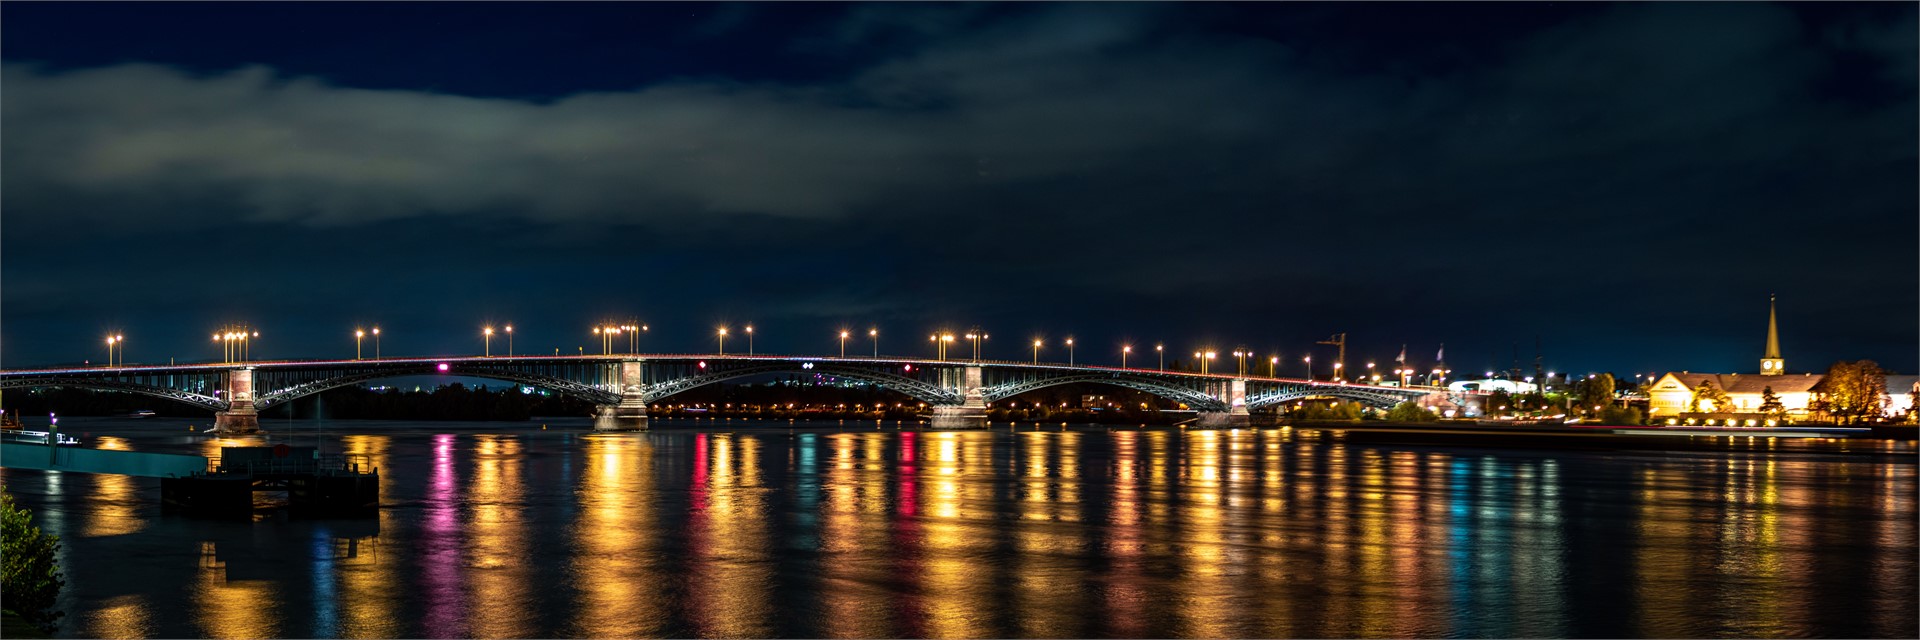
(202, 400)
(1192, 397)
(921, 390)
(1369, 397)
(290, 390)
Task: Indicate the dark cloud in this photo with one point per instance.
(1037, 167)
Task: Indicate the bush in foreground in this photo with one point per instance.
(28, 575)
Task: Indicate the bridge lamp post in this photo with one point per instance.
(843, 343)
(749, 339)
(357, 335)
(946, 340)
(1069, 351)
(1207, 363)
(1336, 371)
(1370, 373)
(1273, 367)
(874, 335)
(603, 340)
(376, 343)
(976, 338)
(1241, 356)
(509, 341)
(723, 341)
(1124, 350)
(1161, 351)
(1036, 352)
(1309, 360)
(487, 340)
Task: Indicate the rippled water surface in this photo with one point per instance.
(756, 530)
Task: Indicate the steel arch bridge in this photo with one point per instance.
(632, 382)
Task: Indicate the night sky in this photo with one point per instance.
(1627, 182)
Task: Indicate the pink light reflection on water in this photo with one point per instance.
(440, 547)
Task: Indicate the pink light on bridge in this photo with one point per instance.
(443, 367)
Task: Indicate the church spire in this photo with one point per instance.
(1771, 364)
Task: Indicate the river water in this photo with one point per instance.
(754, 529)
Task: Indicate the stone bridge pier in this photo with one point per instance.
(631, 413)
(971, 413)
(1234, 393)
(240, 418)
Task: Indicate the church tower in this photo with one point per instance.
(1771, 364)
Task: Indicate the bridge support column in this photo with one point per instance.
(971, 413)
(1234, 393)
(631, 413)
(240, 418)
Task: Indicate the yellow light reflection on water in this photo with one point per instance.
(616, 566)
(730, 586)
(121, 616)
(367, 577)
(496, 572)
(232, 609)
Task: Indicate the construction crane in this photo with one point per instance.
(1339, 362)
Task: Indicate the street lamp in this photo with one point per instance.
(874, 335)
(487, 340)
(1336, 371)
(1161, 351)
(509, 341)
(1309, 360)
(1124, 350)
(1069, 351)
(723, 341)
(1370, 372)
(1207, 363)
(1036, 351)
(843, 343)
(1241, 356)
(976, 337)
(376, 343)
(750, 340)
(1273, 367)
(357, 335)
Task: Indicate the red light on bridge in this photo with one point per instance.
(443, 367)
(909, 367)
(703, 364)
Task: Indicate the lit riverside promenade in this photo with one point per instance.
(622, 386)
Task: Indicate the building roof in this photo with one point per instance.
(1755, 383)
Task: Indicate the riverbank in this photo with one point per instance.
(1809, 440)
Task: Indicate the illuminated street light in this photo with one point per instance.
(509, 341)
(1036, 351)
(975, 337)
(376, 343)
(1207, 363)
(874, 335)
(357, 335)
(1309, 360)
(487, 340)
(843, 343)
(723, 341)
(1273, 367)
(1336, 371)
(1069, 351)
(1124, 350)
(1161, 351)
(750, 340)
